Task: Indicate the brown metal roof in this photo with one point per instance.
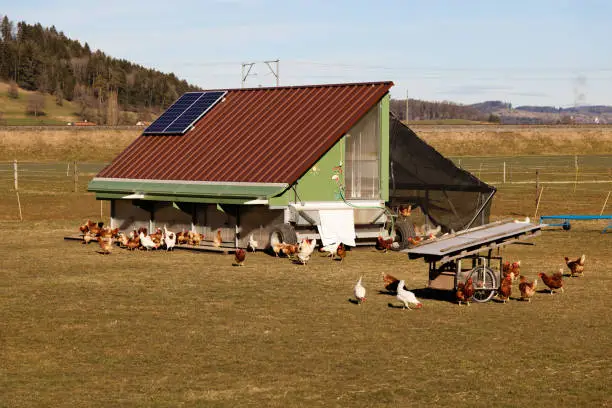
(266, 135)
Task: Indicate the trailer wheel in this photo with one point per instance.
(283, 233)
(485, 284)
(403, 231)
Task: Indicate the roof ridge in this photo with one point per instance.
(265, 88)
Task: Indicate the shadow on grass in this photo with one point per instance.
(547, 291)
(426, 293)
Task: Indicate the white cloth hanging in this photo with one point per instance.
(337, 226)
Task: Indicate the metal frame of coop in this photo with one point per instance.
(470, 253)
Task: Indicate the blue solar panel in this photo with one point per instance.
(194, 112)
(184, 112)
(172, 113)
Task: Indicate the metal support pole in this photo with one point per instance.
(277, 72)
(407, 112)
(112, 214)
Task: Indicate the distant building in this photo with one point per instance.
(83, 123)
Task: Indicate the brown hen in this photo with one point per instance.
(554, 281)
(576, 267)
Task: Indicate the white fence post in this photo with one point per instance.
(576, 166)
(75, 175)
(605, 203)
(15, 174)
(504, 172)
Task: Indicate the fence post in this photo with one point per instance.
(75, 175)
(537, 185)
(504, 172)
(15, 175)
(535, 216)
(605, 203)
(576, 167)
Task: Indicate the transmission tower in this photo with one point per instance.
(248, 66)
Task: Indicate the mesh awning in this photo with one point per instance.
(419, 175)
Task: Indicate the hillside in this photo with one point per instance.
(13, 110)
(433, 112)
(98, 87)
(545, 114)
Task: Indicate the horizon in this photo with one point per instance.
(464, 54)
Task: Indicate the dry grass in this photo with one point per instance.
(170, 329)
(509, 140)
(189, 329)
(99, 145)
(14, 110)
(65, 144)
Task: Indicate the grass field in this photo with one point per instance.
(189, 329)
(14, 110)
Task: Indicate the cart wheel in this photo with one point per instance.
(485, 284)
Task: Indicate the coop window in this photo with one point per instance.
(362, 152)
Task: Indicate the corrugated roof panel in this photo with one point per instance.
(266, 135)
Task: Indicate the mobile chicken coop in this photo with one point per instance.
(279, 164)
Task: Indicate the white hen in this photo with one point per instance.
(331, 249)
(146, 241)
(305, 249)
(252, 245)
(407, 297)
(169, 239)
(359, 292)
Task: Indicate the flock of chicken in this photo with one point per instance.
(165, 239)
(465, 291)
(302, 252)
(140, 238)
(511, 272)
(393, 285)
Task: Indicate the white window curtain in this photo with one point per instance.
(362, 152)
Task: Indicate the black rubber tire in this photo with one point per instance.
(283, 233)
(490, 286)
(403, 231)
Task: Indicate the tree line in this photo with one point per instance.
(45, 60)
(424, 110)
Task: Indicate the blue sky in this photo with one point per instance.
(536, 52)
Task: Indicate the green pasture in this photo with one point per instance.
(158, 329)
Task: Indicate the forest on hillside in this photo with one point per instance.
(44, 60)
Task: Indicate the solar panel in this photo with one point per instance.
(183, 113)
(194, 112)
